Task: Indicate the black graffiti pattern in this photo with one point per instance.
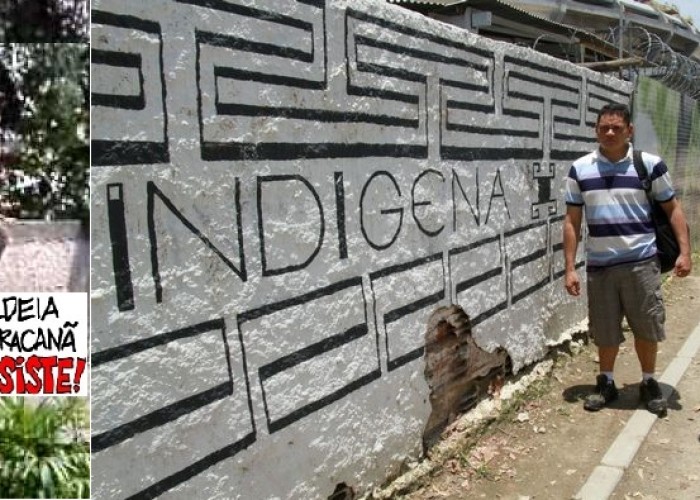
(491, 108)
(112, 151)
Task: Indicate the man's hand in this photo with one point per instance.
(683, 266)
(572, 283)
(676, 216)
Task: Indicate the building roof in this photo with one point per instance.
(599, 18)
(441, 3)
(604, 17)
(605, 35)
(514, 24)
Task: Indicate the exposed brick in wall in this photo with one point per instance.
(458, 371)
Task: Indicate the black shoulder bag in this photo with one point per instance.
(666, 243)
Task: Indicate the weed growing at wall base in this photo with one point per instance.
(43, 452)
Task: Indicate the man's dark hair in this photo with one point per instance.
(615, 109)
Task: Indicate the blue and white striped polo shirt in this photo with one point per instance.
(616, 207)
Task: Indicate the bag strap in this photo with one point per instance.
(646, 183)
(641, 170)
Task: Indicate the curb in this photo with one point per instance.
(606, 476)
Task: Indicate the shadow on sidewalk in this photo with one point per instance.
(628, 396)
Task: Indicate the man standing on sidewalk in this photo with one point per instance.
(623, 275)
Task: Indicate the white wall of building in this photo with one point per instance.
(283, 192)
(38, 256)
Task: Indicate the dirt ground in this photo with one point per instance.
(544, 445)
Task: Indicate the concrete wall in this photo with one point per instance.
(37, 256)
(284, 192)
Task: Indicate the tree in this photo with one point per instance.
(52, 130)
(44, 20)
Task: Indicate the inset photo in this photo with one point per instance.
(44, 249)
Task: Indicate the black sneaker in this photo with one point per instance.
(605, 393)
(650, 393)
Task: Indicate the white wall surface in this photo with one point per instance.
(283, 192)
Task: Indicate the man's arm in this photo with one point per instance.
(572, 232)
(676, 216)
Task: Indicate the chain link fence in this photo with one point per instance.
(667, 123)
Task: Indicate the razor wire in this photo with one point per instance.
(674, 70)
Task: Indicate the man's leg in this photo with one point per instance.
(607, 356)
(649, 390)
(646, 352)
(605, 327)
(645, 313)
(605, 391)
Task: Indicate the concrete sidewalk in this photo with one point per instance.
(641, 447)
(544, 445)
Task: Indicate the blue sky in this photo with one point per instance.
(689, 8)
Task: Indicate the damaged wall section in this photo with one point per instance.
(458, 371)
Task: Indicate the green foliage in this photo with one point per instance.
(44, 20)
(53, 128)
(42, 454)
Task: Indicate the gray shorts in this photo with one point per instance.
(632, 291)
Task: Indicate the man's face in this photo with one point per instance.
(613, 133)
